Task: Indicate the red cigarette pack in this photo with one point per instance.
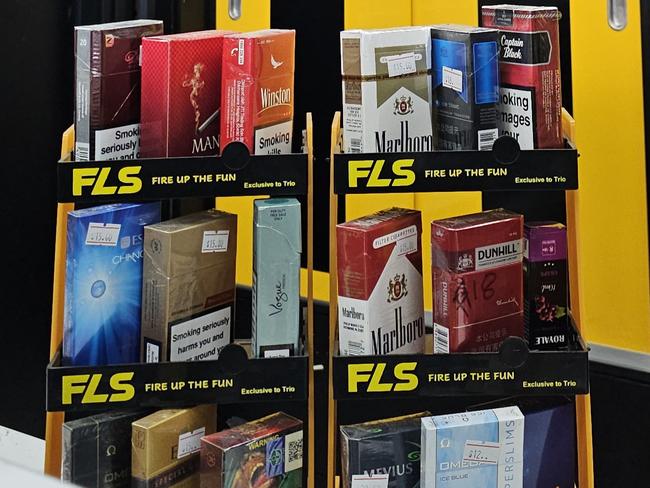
(380, 284)
(257, 90)
(530, 102)
(181, 94)
(477, 281)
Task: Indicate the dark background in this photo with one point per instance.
(37, 93)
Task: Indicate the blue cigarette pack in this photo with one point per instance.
(103, 291)
(482, 449)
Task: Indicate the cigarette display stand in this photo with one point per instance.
(234, 378)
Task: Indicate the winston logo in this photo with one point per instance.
(403, 106)
(397, 288)
(276, 64)
(281, 96)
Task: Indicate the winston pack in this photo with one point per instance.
(380, 306)
(386, 90)
(257, 90)
(530, 101)
(181, 94)
(477, 281)
(107, 88)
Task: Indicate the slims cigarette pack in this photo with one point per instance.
(257, 90)
(380, 308)
(107, 88)
(181, 94)
(386, 90)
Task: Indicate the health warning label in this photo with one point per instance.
(517, 115)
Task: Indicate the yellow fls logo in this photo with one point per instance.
(369, 172)
(96, 179)
(372, 375)
(88, 387)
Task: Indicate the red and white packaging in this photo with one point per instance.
(530, 102)
(257, 90)
(477, 281)
(380, 307)
(181, 94)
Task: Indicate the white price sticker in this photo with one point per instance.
(481, 452)
(452, 78)
(100, 234)
(401, 64)
(190, 442)
(215, 241)
(369, 481)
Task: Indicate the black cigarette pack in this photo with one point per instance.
(465, 82)
(97, 450)
(389, 446)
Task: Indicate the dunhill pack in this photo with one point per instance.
(386, 90)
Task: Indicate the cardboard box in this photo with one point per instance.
(181, 94)
(257, 90)
(477, 281)
(277, 244)
(167, 444)
(481, 449)
(188, 290)
(380, 308)
(389, 446)
(546, 312)
(103, 288)
(107, 88)
(530, 101)
(465, 72)
(97, 450)
(386, 90)
(267, 452)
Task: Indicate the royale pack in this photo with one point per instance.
(465, 72)
(166, 447)
(380, 307)
(263, 453)
(477, 281)
(181, 94)
(277, 244)
(482, 449)
(97, 450)
(386, 90)
(189, 287)
(545, 285)
(103, 288)
(389, 446)
(107, 88)
(257, 90)
(530, 101)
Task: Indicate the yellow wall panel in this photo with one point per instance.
(375, 14)
(445, 12)
(255, 15)
(612, 209)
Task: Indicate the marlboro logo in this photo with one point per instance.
(397, 288)
(403, 106)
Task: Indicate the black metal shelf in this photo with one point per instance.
(232, 378)
(514, 370)
(235, 173)
(505, 167)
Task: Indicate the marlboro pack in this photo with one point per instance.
(257, 90)
(386, 90)
(107, 88)
(477, 281)
(530, 102)
(181, 94)
(380, 306)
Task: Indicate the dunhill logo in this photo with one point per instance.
(281, 96)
